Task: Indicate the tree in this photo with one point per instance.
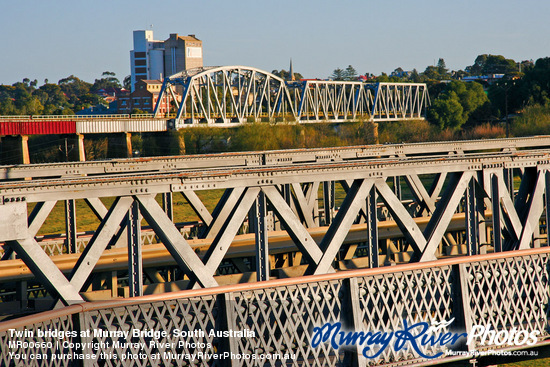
(350, 73)
(471, 99)
(415, 77)
(338, 74)
(471, 96)
(283, 74)
(108, 80)
(442, 68)
(492, 64)
(127, 83)
(447, 113)
(53, 99)
(73, 86)
(432, 72)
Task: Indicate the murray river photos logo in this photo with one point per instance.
(419, 337)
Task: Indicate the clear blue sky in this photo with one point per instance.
(54, 39)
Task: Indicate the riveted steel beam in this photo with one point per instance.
(333, 239)
(45, 270)
(229, 229)
(299, 234)
(135, 260)
(443, 213)
(259, 212)
(178, 247)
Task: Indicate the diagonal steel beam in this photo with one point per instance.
(400, 214)
(225, 236)
(101, 238)
(444, 212)
(44, 269)
(97, 207)
(420, 193)
(510, 215)
(198, 206)
(39, 215)
(223, 210)
(295, 229)
(304, 204)
(437, 185)
(333, 239)
(535, 209)
(178, 247)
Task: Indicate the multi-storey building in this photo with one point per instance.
(143, 98)
(152, 60)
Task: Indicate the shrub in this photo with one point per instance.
(535, 120)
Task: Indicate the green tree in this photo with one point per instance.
(283, 74)
(432, 72)
(350, 73)
(447, 112)
(7, 106)
(382, 78)
(127, 83)
(338, 74)
(473, 102)
(492, 64)
(442, 68)
(73, 86)
(471, 96)
(108, 80)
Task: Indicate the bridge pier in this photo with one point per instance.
(15, 150)
(72, 149)
(119, 145)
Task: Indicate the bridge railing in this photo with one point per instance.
(274, 320)
(76, 117)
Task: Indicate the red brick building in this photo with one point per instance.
(143, 98)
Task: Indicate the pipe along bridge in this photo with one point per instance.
(366, 236)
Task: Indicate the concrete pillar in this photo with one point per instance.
(129, 152)
(81, 150)
(15, 150)
(371, 132)
(119, 145)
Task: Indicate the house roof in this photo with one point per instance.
(150, 81)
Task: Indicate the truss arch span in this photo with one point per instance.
(229, 95)
(226, 95)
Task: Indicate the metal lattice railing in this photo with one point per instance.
(276, 319)
(24, 346)
(416, 296)
(508, 293)
(179, 318)
(282, 319)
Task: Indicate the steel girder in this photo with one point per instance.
(268, 158)
(227, 95)
(399, 101)
(331, 101)
(475, 182)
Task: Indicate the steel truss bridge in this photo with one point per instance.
(282, 215)
(236, 94)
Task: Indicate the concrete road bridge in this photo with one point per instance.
(434, 231)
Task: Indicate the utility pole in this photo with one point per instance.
(67, 151)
